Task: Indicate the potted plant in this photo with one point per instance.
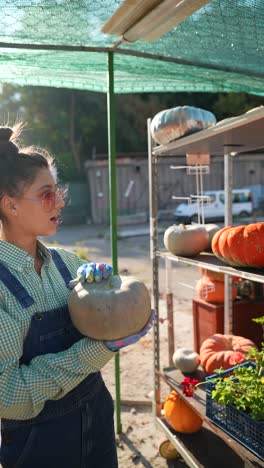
(235, 400)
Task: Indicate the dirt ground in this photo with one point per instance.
(139, 440)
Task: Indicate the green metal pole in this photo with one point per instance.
(113, 212)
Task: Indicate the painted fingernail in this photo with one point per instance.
(98, 275)
(89, 275)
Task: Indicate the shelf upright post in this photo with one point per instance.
(169, 303)
(228, 182)
(198, 193)
(153, 212)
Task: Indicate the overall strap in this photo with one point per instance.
(15, 287)
(65, 273)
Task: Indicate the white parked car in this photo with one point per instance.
(214, 206)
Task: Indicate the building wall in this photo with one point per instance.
(132, 182)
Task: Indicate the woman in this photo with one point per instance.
(54, 406)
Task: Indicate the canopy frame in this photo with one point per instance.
(133, 53)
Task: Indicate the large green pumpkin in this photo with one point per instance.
(171, 124)
(112, 309)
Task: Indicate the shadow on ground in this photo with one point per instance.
(137, 457)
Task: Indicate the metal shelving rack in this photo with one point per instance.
(242, 134)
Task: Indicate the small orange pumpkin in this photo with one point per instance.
(180, 416)
(217, 350)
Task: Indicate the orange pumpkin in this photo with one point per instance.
(223, 247)
(180, 416)
(214, 244)
(213, 291)
(235, 243)
(240, 245)
(217, 350)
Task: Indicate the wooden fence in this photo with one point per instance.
(132, 183)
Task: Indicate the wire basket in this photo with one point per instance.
(233, 421)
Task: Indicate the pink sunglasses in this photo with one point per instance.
(49, 199)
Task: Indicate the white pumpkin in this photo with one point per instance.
(112, 309)
(186, 360)
(186, 240)
(211, 229)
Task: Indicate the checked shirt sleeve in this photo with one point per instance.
(25, 388)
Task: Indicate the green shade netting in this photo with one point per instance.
(219, 48)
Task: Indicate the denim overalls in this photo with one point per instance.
(76, 431)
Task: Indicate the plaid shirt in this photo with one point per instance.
(25, 388)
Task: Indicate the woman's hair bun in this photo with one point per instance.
(5, 133)
(7, 148)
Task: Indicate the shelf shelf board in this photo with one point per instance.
(206, 449)
(210, 262)
(234, 136)
(184, 451)
(221, 444)
(242, 134)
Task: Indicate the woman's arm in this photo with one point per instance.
(25, 388)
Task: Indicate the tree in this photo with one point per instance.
(68, 123)
(72, 124)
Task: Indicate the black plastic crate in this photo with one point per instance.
(234, 422)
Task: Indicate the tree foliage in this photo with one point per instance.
(72, 124)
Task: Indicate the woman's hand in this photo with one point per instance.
(93, 271)
(90, 272)
(115, 345)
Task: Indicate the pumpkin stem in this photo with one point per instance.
(200, 383)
